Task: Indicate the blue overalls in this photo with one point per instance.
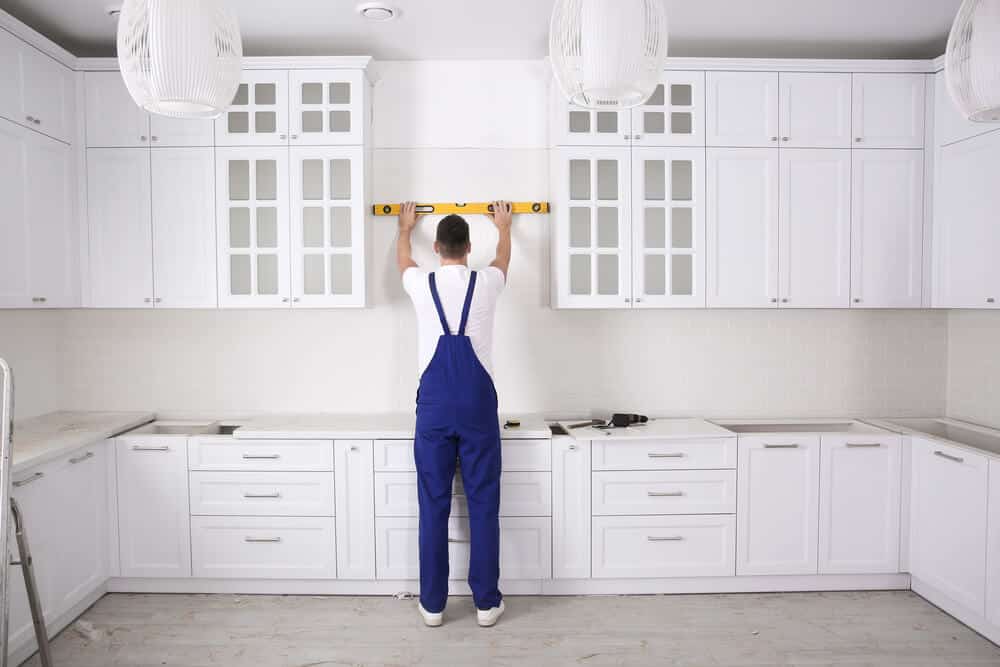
(457, 419)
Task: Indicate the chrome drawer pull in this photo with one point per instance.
(144, 448)
(455, 540)
(262, 495)
(654, 455)
(261, 456)
(78, 459)
(664, 494)
(956, 459)
(672, 538)
(864, 444)
(24, 482)
(270, 540)
(790, 446)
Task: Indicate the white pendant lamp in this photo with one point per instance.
(180, 58)
(608, 54)
(972, 62)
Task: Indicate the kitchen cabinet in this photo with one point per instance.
(14, 282)
(741, 109)
(674, 115)
(814, 110)
(948, 528)
(889, 110)
(121, 243)
(578, 126)
(571, 514)
(258, 115)
(255, 547)
(327, 107)
(859, 504)
(949, 123)
(153, 517)
(38, 91)
(777, 511)
(814, 228)
(663, 546)
(887, 204)
(742, 227)
(668, 227)
(355, 490)
(966, 199)
(993, 549)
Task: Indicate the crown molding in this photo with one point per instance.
(800, 65)
(291, 62)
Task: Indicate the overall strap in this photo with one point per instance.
(468, 302)
(437, 304)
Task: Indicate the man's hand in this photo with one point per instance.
(407, 221)
(503, 218)
(407, 216)
(502, 215)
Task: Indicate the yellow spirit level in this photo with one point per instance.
(471, 208)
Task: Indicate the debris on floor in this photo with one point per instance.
(87, 630)
(403, 595)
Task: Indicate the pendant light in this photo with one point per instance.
(972, 61)
(180, 58)
(608, 54)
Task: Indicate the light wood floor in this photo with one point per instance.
(884, 628)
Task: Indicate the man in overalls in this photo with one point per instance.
(457, 406)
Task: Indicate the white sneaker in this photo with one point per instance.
(488, 617)
(431, 620)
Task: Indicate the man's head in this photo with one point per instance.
(452, 240)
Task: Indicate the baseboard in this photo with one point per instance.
(974, 620)
(18, 653)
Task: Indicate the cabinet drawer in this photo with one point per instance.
(263, 455)
(517, 455)
(521, 494)
(262, 493)
(654, 546)
(664, 492)
(710, 453)
(263, 547)
(525, 548)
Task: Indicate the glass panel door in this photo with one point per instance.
(328, 216)
(668, 227)
(258, 115)
(675, 113)
(327, 107)
(576, 126)
(252, 225)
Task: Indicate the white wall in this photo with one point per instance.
(974, 366)
(31, 342)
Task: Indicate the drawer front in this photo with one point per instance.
(517, 455)
(260, 455)
(707, 454)
(664, 492)
(654, 546)
(521, 494)
(262, 493)
(263, 547)
(525, 548)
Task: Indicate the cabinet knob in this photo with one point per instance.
(857, 300)
(784, 301)
(625, 137)
(628, 300)
(38, 299)
(30, 119)
(142, 137)
(295, 136)
(154, 138)
(857, 139)
(295, 300)
(147, 300)
(784, 138)
(157, 299)
(637, 137)
(354, 448)
(990, 300)
(282, 136)
(774, 138)
(572, 448)
(285, 299)
(774, 300)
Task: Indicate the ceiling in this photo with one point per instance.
(517, 29)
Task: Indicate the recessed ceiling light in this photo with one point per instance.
(377, 12)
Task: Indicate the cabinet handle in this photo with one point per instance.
(638, 300)
(272, 540)
(990, 299)
(285, 299)
(664, 494)
(30, 119)
(857, 140)
(572, 448)
(262, 495)
(142, 137)
(252, 457)
(655, 455)
(145, 448)
(627, 300)
(671, 538)
(295, 136)
(784, 138)
(28, 480)
(38, 299)
(784, 301)
(455, 540)
(354, 448)
(80, 459)
(774, 300)
(774, 138)
(154, 138)
(282, 136)
(637, 137)
(855, 445)
(956, 459)
(788, 446)
(157, 299)
(295, 299)
(147, 300)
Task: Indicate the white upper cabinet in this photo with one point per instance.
(258, 115)
(38, 92)
(814, 110)
(11, 102)
(887, 228)
(889, 110)
(668, 227)
(576, 126)
(993, 549)
(183, 227)
(966, 235)
(591, 248)
(328, 227)
(113, 118)
(675, 113)
(742, 227)
(172, 132)
(949, 124)
(326, 107)
(14, 290)
(814, 228)
(118, 212)
(741, 108)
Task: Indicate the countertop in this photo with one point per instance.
(976, 438)
(654, 429)
(395, 425)
(42, 439)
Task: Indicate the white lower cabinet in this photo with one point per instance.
(355, 518)
(859, 504)
(570, 508)
(226, 454)
(255, 547)
(949, 521)
(664, 492)
(993, 551)
(654, 454)
(663, 546)
(262, 493)
(153, 517)
(516, 455)
(778, 505)
(521, 494)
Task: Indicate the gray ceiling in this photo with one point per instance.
(513, 29)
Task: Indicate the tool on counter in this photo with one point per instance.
(469, 208)
(512, 423)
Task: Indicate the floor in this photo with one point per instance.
(882, 628)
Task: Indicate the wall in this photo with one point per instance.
(974, 366)
(31, 342)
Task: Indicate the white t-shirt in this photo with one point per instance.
(452, 283)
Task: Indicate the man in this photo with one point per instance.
(457, 406)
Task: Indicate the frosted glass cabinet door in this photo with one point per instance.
(741, 109)
(675, 113)
(327, 107)
(889, 110)
(592, 235)
(252, 227)
(328, 227)
(576, 126)
(258, 115)
(814, 110)
(668, 227)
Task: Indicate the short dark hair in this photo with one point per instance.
(453, 237)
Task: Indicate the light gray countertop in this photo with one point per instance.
(41, 439)
(391, 426)
(654, 429)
